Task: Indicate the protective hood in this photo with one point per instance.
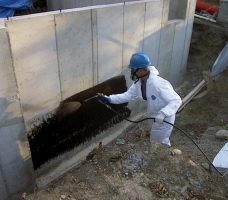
(153, 70)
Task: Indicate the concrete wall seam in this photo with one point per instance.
(60, 85)
(94, 46)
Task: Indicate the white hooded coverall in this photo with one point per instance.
(161, 97)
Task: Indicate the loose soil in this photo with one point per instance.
(130, 167)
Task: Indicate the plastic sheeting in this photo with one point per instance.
(8, 7)
(220, 64)
(221, 160)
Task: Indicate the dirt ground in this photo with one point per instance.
(130, 167)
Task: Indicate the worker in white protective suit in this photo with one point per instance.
(162, 101)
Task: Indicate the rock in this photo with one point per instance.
(222, 134)
(205, 166)
(135, 162)
(63, 197)
(176, 152)
(23, 196)
(115, 158)
(195, 182)
(120, 141)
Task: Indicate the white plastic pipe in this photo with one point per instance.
(206, 18)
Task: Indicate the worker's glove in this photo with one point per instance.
(103, 98)
(160, 118)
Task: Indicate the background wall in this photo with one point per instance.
(46, 58)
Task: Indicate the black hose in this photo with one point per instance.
(138, 121)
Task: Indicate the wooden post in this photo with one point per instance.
(191, 95)
(208, 79)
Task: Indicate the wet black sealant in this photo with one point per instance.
(52, 137)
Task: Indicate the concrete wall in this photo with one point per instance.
(16, 170)
(48, 57)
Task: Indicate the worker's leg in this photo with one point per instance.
(162, 132)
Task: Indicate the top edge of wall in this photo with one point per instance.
(2, 21)
(56, 12)
(141, 1)
(91, 7)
